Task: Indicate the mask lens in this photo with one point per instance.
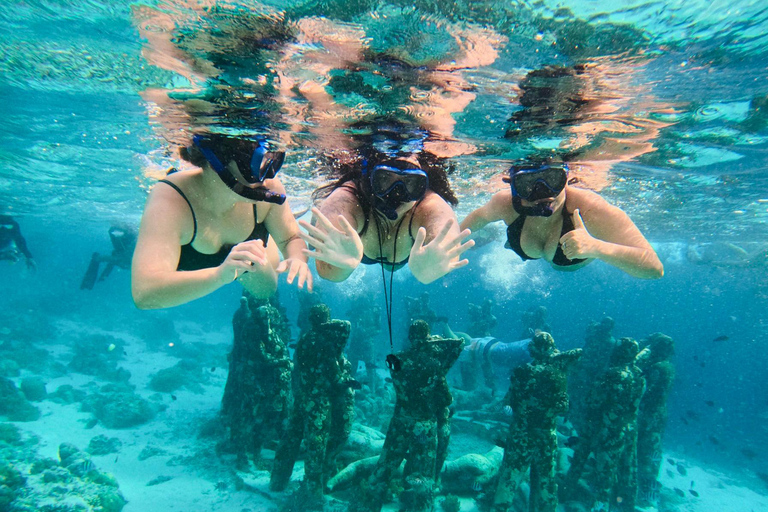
(384, 179)
(270, 165)
(553, 177)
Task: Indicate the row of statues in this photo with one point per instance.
(615, 406)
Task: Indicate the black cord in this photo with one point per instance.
(391, 359)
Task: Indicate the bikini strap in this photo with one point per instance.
(194, 219)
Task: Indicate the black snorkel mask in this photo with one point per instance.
(535, 182)
(394, 183)
(254, 168)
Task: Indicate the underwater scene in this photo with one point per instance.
(358, 255)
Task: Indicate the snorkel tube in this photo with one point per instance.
(259, 193)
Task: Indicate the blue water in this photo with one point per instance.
(80, 148)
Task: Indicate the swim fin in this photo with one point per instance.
(89, 279)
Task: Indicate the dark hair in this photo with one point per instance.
(352, 172)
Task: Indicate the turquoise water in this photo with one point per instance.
(665, 107)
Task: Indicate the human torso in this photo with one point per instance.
(211, 236)
(539, 237)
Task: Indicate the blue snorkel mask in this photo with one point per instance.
(255, 164)
(535, 182)
(395, 182)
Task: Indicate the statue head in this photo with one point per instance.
(418, 331)
(541, 346)
(319, 314)
(624, 352)
(662, 347)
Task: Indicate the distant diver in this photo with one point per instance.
(123, 239)
(13, 246)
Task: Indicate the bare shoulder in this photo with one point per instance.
(500, 206)
(586, 201)
(343, 201)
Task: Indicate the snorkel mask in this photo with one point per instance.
(254, 166)
(535, 182)
(395, 182)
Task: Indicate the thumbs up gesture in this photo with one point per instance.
(579, 243)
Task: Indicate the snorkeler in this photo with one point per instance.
(382, 210)
(567, 226)
(13, 246)
(123, 238)
(208, 227)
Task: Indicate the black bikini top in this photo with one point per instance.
(389, 265)
(192, 259)
(515, 232)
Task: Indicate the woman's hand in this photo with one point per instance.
(578, 243)
(440, 256)
(296, 267)
(341, 248)
(248, 256)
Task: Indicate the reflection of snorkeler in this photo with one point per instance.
(12, 244)
(123, 239)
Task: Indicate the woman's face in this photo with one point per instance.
(555, 203)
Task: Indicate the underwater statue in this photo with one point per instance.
(537, 395)
(482, 321)
(420, 427)
(654, 361)
(534, 319)
(419, 308)
(610, 433)
(598, 345)
(258, 387)
(323, 405)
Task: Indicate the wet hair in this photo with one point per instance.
(352, 172)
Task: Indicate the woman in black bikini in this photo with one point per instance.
(207, 227)
(385, 205)
(567, 226)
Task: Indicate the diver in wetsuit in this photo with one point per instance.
(12, 244)
(123, 239)
(567, 226)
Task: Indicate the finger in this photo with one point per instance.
(302, 275)
(248, 258)
(310, 280)
(578, 222)
(443, 232)
(421, 235)
(314, 242)
(456, 251)
(295, 267)
(566, 237)
(459, 264)
(323, 221)
(313, 230)
(318, 256)
(455, 240)
(281, 267)
(346, 226)
(252, 246)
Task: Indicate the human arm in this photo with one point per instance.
(155, 282)
(498, 208)
(436, 222)
(603, 231)
(338, 248)
(285, 231)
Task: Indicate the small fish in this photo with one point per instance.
(292, 346)
(685, 421)
(692, 484)
(91, 423)
(681, 469)
(672, 462)
(695, 358)
(508, 411)
(692, 414)
(421, 438)
(721, 338)
(670, 474)
(748, 453)
(116, 456)
(680, 492)
(714, 440)
(477, 486)
(693, 493)
(709, 403)
(173, 397)
(388, 379)
(111, 347)
(85, 466)
(763, 477)
(213, 369)
(703, 365)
